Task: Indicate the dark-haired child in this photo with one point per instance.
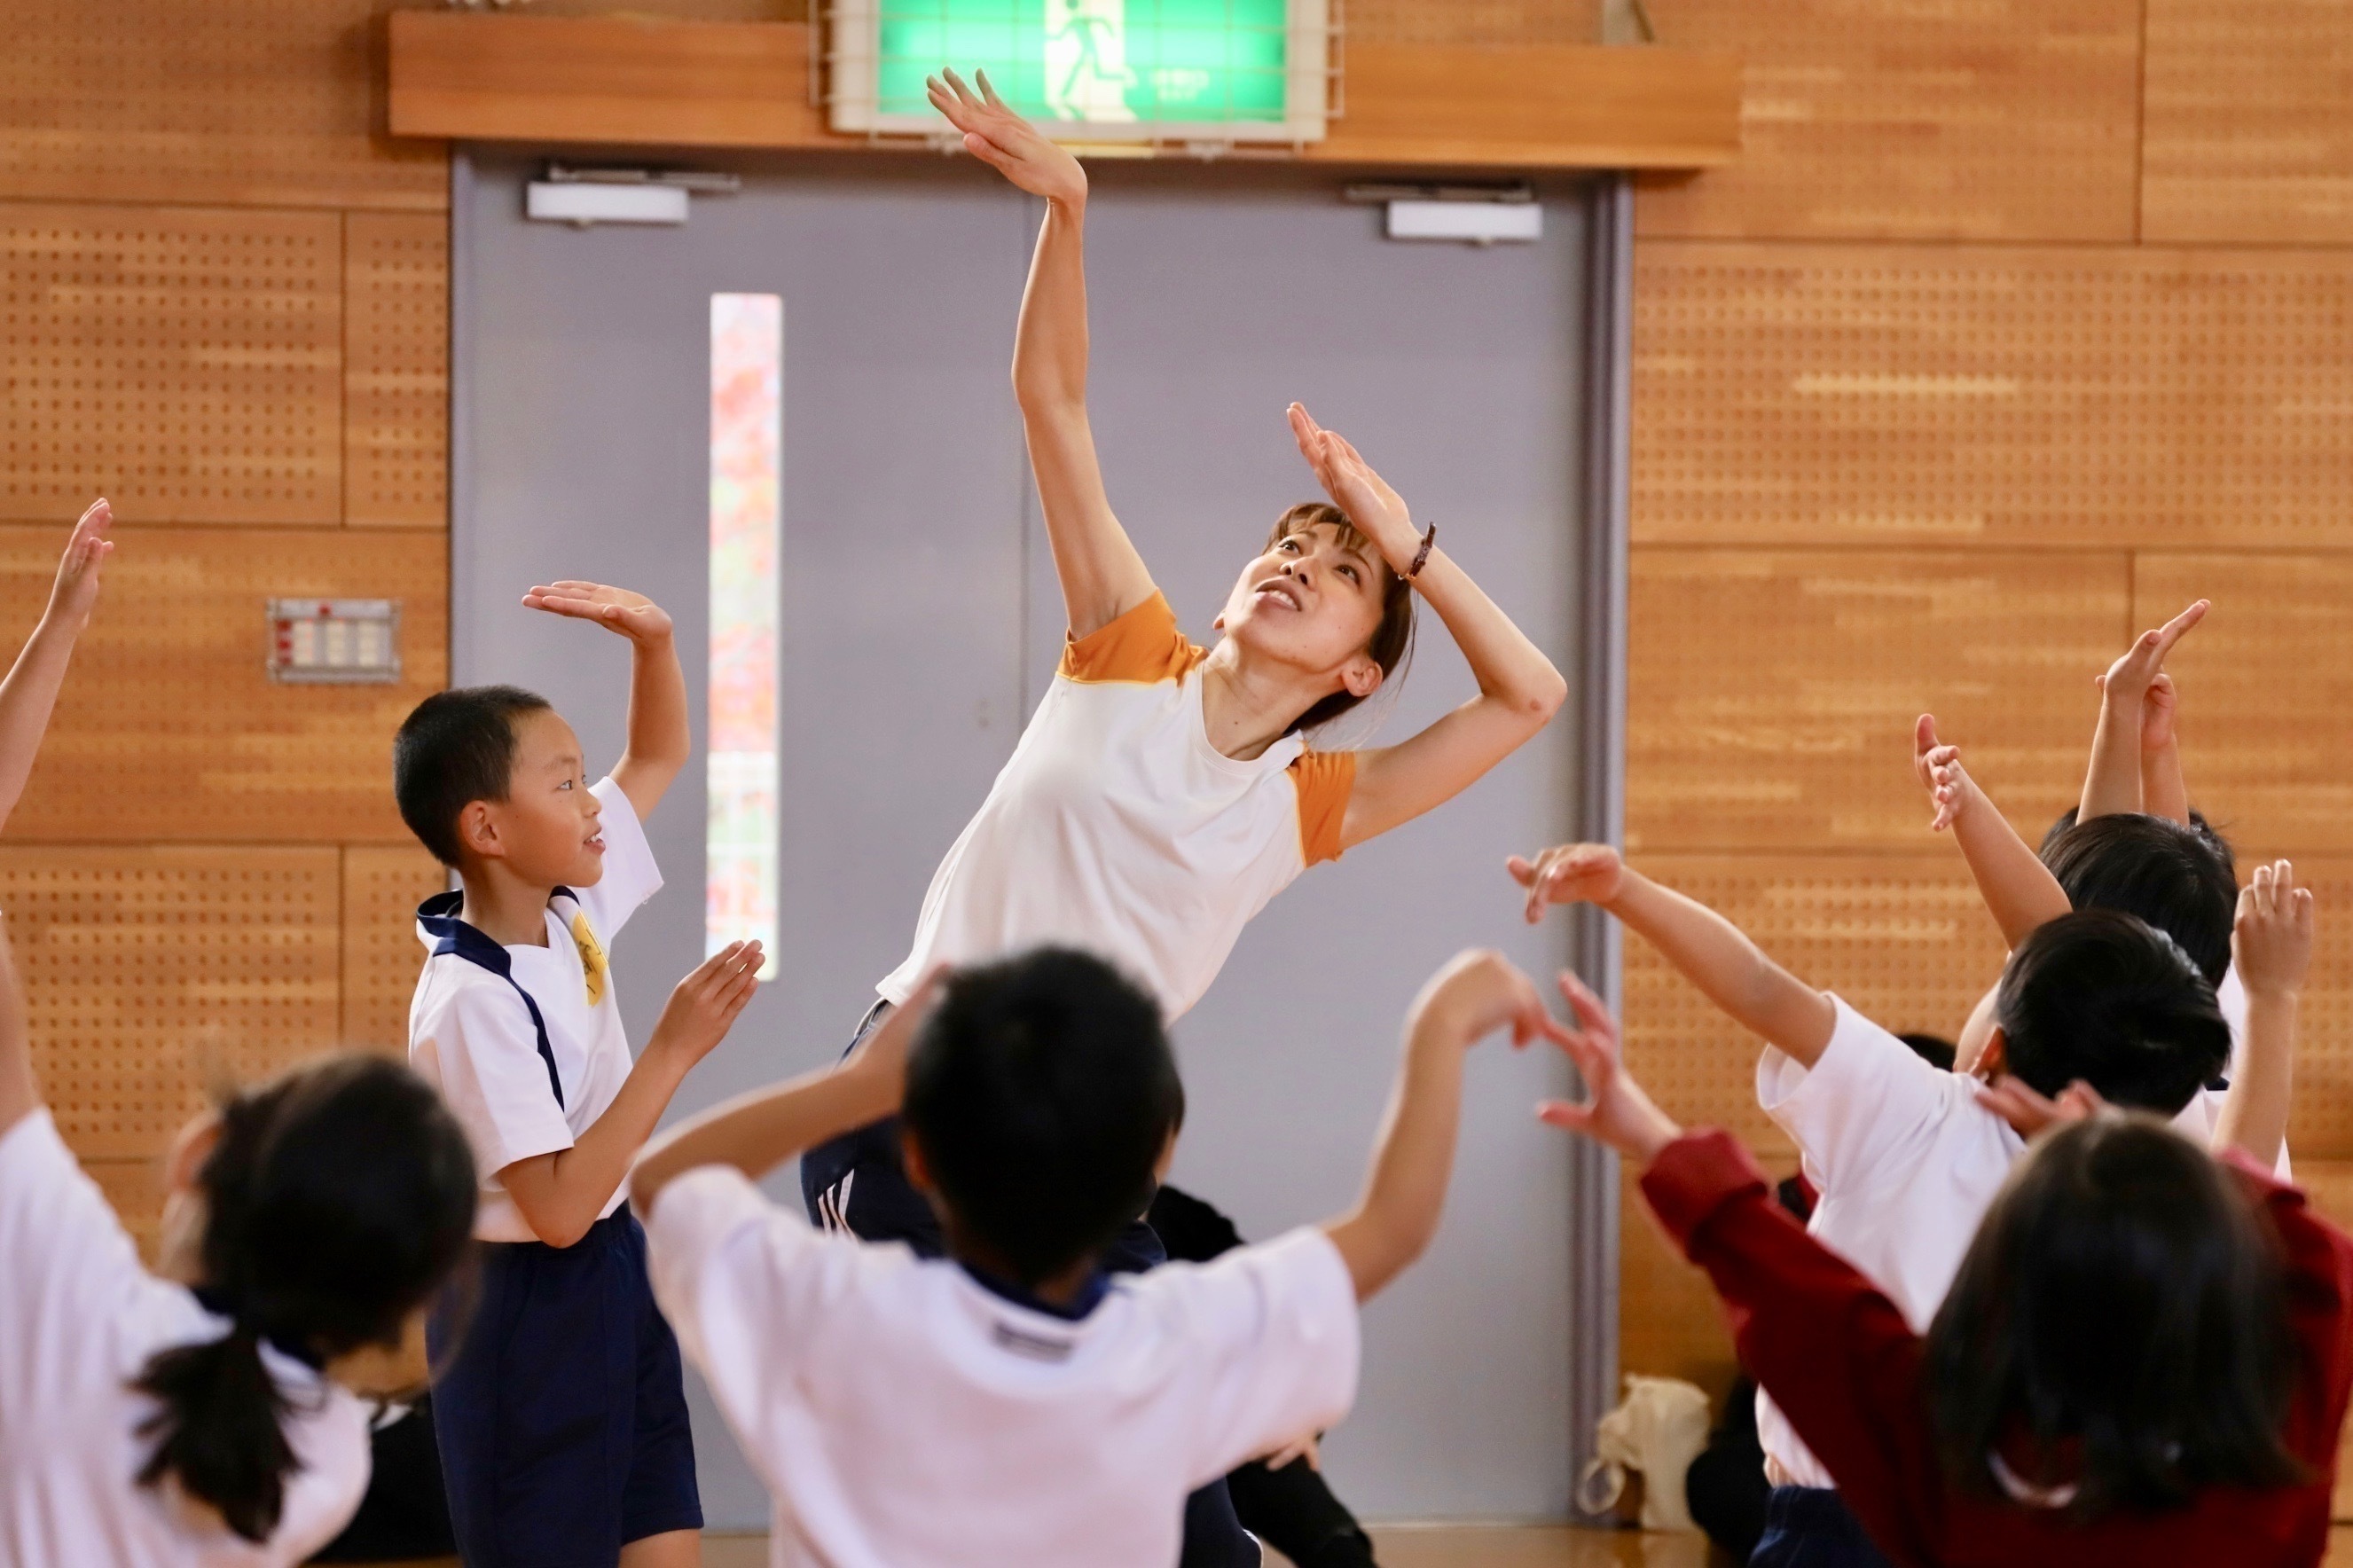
(216, 1415)
(1906, 1157)
(1012, 1403)
(2145, 1357)
(562, 1415)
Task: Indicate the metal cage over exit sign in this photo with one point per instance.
(330, 641)
(1091, 70)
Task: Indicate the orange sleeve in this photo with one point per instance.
(1324, 780)
(1141, 648)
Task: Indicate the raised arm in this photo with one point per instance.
(1103, 577)
(20, 1092)
(2163, 792)
(2270, 942)
(2018, 888)
(1711, 952)
(1476, 994)
(29, 694)
(2113, 782)
(660, 743)
(1519, 690)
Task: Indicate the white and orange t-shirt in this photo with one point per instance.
(1115, 826)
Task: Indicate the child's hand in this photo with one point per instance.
(704, 1007)
(1005, 141)
(633, 616)
(1568, 874)
(2137, 670)
(2018, 1102)
(76, 589)
(2271, 940)
(1478, 992)
(1938, 768)
(884, 1053)
(2156, 714)
(1616, 1110)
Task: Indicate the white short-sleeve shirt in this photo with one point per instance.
(1907, 1161)
(79, 1320)
(904, 1416)
(471, 1036)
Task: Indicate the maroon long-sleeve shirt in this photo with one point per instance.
(1839, 1360)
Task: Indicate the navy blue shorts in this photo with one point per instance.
(562, 1418)
(1811, 1527)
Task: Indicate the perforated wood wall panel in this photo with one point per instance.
(381, 887)
(1966, 118)
(135, 1189)
(1500, 23)
(169, 727)
(2266, 682)
(262, 102)
(2246, 136)
(1772, 694)
(397, 369)
(184, 362)
(151, 973)
(1670, 1322)
(1810, 393)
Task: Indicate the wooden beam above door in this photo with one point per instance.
(631, 82)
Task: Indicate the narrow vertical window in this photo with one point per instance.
(747, 456)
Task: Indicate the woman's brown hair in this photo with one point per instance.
(1391, 643)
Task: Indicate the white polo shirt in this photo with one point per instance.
(1907, 1161)
(471, 1036)
(904, 1416)
(79, 1320)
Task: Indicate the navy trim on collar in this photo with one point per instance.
(438, 917)
(1091, 1294)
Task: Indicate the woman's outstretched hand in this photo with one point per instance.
(1005, 141)
(1356, 489)
(1616, 1110)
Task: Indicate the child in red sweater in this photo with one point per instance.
(2145, 1358)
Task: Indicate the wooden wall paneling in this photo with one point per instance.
(265, 102)
(2245, 137)
(1494, 24)
(135, 1190)
(382, 885)
(1670, 1320)
(1991, 396)
(185, 362)
(1772, 694)
(169, 727)
(153, 973)
(1963, 120)
(397, 369)
(2265, 683)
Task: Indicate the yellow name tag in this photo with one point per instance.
(592, 957)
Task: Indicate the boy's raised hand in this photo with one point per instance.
(883, 1054)
(2139, 666)
(2271, 938)
(704, 1006)
(1568, 874)
(1479, 992)
(1938, 767)
(1007, 144)
(1616, 1111)
(75, 592)
(632, 615)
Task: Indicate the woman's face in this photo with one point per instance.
(1311, 602)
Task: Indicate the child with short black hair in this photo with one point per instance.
(561, 1414)
(1012, 1402)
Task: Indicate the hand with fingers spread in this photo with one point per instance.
(1616, 1111)
(2271, 937)
(75, 592)
(2028, 1112)
(632, 615)
(1377, 510)
(1568, 874)
(1938, 767)
(1007, 144)
(704, 1006)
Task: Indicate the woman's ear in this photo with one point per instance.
(1362, 676)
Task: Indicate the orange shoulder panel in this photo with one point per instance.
(1140, 647)
(1324, 780)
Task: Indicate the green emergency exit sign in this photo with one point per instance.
(1091, 70)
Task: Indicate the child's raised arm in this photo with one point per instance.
(2018, 888)
(659, 742)
(29, 694)
(1476, 994)
(1103, 575)
(2163, 792)
(2270, 942)
(1711, 952)
(2113, 782)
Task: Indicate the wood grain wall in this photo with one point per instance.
(226, 310)
(2018, 324)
